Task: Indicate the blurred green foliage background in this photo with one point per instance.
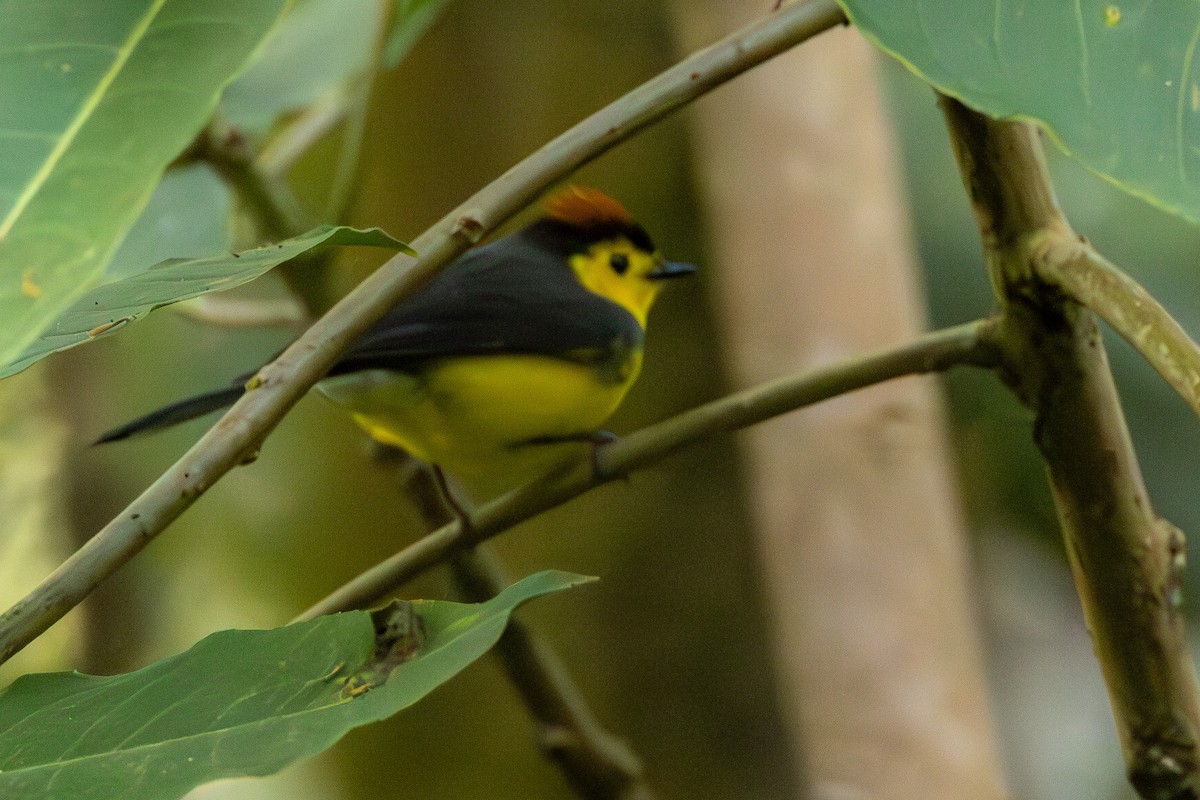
(672, 645)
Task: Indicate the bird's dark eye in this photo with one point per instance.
(619, 263)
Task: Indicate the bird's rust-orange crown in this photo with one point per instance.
(585, 207)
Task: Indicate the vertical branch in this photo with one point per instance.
(597, 764)
(1125, 559)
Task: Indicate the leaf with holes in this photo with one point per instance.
(240, 703)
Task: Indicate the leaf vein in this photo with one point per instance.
(81, 117)
(1085, 77)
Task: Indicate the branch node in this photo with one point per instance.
(554, 740)
(469, 227)
(1126, 561)
(1162, 768)
(1176, 543)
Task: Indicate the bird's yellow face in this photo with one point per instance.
(618, 270)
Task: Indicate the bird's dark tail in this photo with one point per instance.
(176, 413)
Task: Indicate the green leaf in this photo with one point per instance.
(95, 100)
(188, 215)
(413, 18)
(239, 703)
(1116, 84)
(288, 77)
(111, 306)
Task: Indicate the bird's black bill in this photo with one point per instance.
(671, 269)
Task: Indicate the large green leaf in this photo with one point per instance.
(1117, 84)
(239, 703)
(288, 77)
(110, 306)
(188, 215)
(95, 100)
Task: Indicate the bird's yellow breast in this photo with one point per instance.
(487, 416)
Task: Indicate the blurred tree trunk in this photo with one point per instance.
(34, 535)
(861, 536)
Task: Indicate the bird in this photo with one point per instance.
(509, 361)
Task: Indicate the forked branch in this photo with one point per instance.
(1126, 560)
(1088, 277)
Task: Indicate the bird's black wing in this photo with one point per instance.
(512, 296)
(504, 298)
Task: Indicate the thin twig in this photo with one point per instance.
(1119, 300)
(597, 764)
(347, 104)
(308, 128)
(341, 186)
(1127, 562)
(237, 436)
(239, 312)
(279, 213)
(261, 178)
(964, 344)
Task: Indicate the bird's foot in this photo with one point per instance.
(600, 441)
(457, 510)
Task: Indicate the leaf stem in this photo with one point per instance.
(1092, 280)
